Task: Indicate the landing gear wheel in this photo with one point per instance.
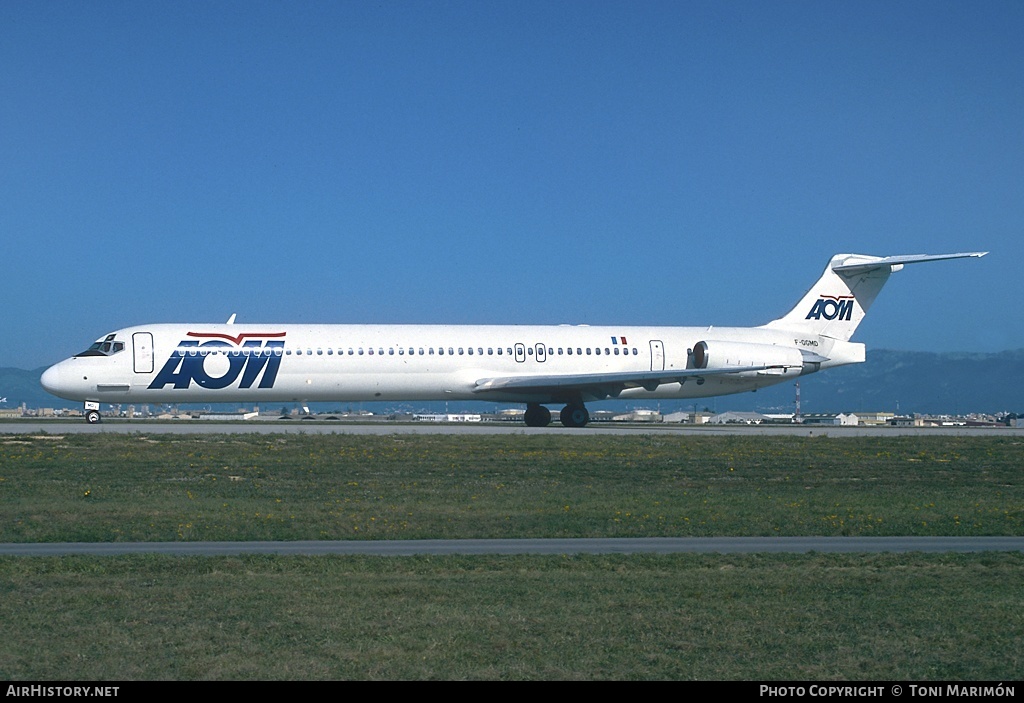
(574, 416)
(537, 416)
(92, 416)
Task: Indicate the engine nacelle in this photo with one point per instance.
(724, 355)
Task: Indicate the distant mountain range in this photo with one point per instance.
(908, 382)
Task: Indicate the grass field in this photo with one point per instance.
(243, 487)
(906, 617)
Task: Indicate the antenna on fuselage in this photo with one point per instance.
(231, 320)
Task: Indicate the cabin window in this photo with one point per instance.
(460, 351)
(421, 351)
(471, 351)
(319, 352)
(588, 351)
(490, 351)
(569, 351)
(499, 351)
(616, 351)
(451, 352)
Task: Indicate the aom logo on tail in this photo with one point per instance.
(832, 307)
(222, 359)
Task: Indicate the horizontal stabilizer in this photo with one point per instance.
(877, 263)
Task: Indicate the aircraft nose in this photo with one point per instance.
(51, 379)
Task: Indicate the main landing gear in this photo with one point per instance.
(572, 415)
(537, 416)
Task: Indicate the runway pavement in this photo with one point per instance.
(658, 545)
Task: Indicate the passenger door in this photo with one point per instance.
(657, 355)
(142, 345)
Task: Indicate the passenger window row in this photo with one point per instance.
(410, 351)
(463, 351)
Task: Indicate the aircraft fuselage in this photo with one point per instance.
(169, 363)
(536, 365)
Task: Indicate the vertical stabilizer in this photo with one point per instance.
(837, 303)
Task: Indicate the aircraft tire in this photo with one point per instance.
(92, 417)
(537, 416)
(574, 416)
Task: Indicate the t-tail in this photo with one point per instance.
(837, 303)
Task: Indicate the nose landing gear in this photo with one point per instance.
(92, 412)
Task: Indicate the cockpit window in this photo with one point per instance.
(104, 347)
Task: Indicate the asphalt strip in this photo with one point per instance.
(656, 545)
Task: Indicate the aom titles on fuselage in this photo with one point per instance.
(536, 365)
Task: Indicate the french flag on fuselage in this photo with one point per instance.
(618, 340)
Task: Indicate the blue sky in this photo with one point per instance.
(505, 162)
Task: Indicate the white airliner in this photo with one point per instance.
(567, 365)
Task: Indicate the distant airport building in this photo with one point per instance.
(832, 420)
(226, 416)
(448, 417)
(737, 418)
(698, 418)
(638, 415)
(875, 418)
